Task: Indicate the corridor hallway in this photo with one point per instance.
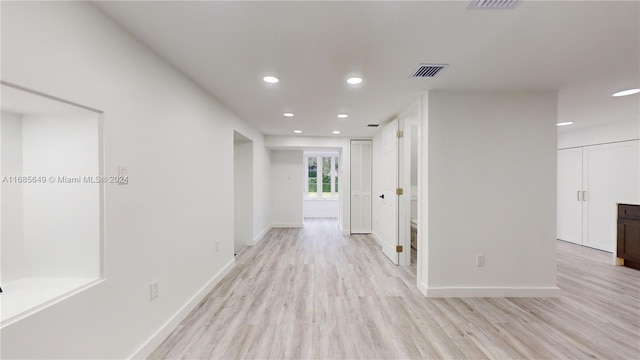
(314, 293)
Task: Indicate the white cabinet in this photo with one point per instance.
(591, 181)
(360, 186)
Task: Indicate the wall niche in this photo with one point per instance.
(51, 217)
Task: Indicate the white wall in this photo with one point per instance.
(262, 188)
(321, 208)
(600, 134)
(491, 189)
(176, 140)
(61, 221)
(12, 236)
(243, 194)
(287, 184)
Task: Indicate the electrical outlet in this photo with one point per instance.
(153, 290)
(479, 260)
(217, 245)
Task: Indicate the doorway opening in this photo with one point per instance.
(396, 148)
(242, 191)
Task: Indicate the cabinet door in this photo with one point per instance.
(360, 187)
(569, 227)
(629, 241)
(611, 176)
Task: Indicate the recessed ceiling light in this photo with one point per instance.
(297, 131)
(354, 80)
(627, 92)
(288, 114)
(565, 123)
(336, 132)
(270, 79)
(343, 116)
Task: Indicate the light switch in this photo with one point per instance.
(123, 175)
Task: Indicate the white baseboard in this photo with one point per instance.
(378, 238)
(346, 232)
(262, 234)
(422, 288)
(287, 225)
(550, 291)
(165, 330)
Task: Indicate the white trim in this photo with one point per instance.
(262, 234)
(422, 288)
(346, 232)
(287, 225)
(51, 302)
(378, 238)
(165, 330)
(465, 292)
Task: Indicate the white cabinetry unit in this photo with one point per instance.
(591, 181)
(361, 186)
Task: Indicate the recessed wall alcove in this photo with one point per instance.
(51, 242)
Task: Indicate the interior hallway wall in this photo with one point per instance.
(176, 140)
(287, 181)
(489, 171)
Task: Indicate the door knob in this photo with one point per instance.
(382, 196)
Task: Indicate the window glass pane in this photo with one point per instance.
(336, 172)
(312, 173)
(326, 176)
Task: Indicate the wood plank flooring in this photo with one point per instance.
(313, 293)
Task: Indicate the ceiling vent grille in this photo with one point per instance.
(428, 70)
(373, 125)
(494, 4)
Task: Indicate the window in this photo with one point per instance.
(321, 172)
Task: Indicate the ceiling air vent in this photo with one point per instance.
(373, 125)
(494, 4)
(428, 70)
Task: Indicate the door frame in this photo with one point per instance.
(242, 192)
(406, 121)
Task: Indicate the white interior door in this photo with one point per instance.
(360, 187)
(569, 226)
(389, 214)
(611, 176)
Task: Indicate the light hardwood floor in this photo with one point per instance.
(314, 293)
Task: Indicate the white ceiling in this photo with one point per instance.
(587, 49)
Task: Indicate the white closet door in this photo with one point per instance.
(611, 176)
(569, 227)
(387, 228)
(366, 187)
(361, 187)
